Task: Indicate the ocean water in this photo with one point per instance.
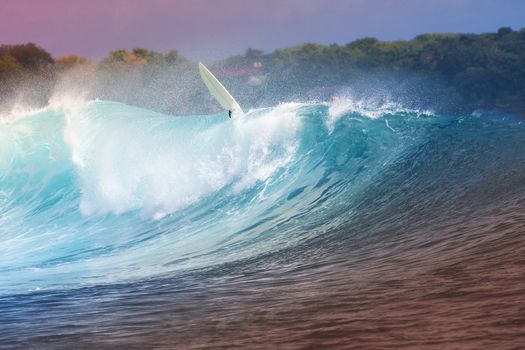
(303, 225)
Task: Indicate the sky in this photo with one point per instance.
(209, 30)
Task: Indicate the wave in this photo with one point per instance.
(101, 192)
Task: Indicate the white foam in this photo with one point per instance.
(19, 111)
(369, 108)
(130, 159)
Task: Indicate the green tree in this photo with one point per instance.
(30, 56)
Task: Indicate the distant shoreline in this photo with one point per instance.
(449, 72)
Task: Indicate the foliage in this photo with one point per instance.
(29, 56)
(20, 63)
(486, 70)
(482, 70)
(70, 61)
(140, 57)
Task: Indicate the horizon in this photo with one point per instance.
(96, 28)
(243, 51)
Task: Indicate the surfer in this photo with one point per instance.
(220, 93)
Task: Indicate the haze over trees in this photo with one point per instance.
(473, 70)
(480, 70)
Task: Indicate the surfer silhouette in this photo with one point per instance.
(220, 93)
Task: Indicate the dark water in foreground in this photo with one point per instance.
(338, 227)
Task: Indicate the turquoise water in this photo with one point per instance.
(102, 199)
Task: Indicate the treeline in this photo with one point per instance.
(20, 63)
(25, 62)
(29, 75)
(29, 60)
(473, 70)
(477, 70)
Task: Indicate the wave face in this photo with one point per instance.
(98, 196)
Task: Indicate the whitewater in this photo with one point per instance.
(120, 225)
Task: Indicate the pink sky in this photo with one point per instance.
(212, 29)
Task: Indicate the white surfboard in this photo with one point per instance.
(218, 91)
